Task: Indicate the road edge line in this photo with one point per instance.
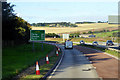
(54, 68)
(57, 66)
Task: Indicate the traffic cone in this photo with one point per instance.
(58, 49)
(56, 46)
(57, 52)
(47, 60)
(37, 69)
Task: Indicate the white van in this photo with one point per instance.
(68, 44)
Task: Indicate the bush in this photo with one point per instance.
(89, 32)
(84, 33)
(52, 35)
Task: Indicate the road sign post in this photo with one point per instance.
(36, 36)
(33, 49)
(42, 47)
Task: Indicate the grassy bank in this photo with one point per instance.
(114, 53)
(105, 34)
(43, 69)
(17, 58)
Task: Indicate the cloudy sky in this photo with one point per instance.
(35, 11)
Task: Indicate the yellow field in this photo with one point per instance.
(82, 27)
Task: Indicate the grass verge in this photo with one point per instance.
(17, 58)
(112, 52)
(43, 69)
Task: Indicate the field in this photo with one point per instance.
(80, 28)
(102, 37)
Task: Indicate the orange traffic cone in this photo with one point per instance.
(57, 52)
(47, 60)
(56, 46)
(59, 49)
(37, 69)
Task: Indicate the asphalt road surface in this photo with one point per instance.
(74, 65)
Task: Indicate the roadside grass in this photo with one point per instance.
(112, 52)
(105, 34)
(17, 58)
(43, 69)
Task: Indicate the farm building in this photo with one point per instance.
(113, 19)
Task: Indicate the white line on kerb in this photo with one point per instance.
(56, 67)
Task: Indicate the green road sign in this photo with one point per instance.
(37, 35)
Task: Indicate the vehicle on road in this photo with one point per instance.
(95, 43)
(82, 42)
(68, 44)
(109, 43)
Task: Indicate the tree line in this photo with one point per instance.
(14, 28)
(57, 24)
(88, 22)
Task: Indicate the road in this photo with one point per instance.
(101, 44)
(107, 66)
(74, 65)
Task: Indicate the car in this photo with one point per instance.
(109, 43)
(68, 44)
(95, 43)
(82, 42)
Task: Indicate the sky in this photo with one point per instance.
(35, 11)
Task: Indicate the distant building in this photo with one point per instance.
(114, 19)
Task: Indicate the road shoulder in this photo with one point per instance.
(106, 66)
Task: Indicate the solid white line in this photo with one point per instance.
(111, 56)
(56, 67)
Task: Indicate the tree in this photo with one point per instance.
(8, 18)
(13, 27)
(90, 32)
